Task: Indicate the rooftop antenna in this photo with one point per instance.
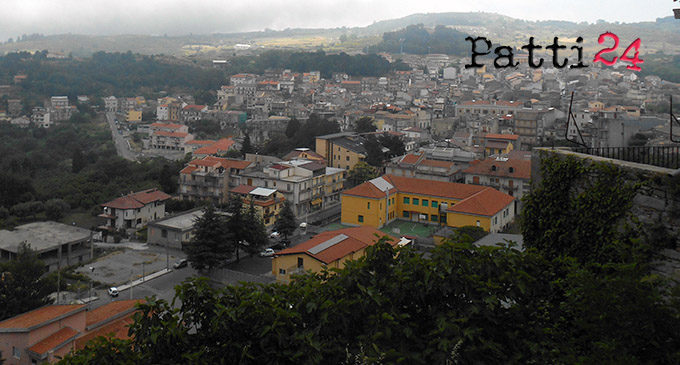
(672, 118)
(570, 116)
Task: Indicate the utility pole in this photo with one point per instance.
(167, 257)
(89, 295)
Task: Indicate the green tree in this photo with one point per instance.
(209, 249)
(78, 161)
(582, 210)
(246, 147)
(365, 125)
(394, 144)
(256, 234)
(55, 209)
(375, 155)
(23, 285)
(292, 128)
(360, 173)
(237, 225)
(286, 223)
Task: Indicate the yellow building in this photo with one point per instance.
(134, 116)
(496, 144)
(267, 202)
(330, 249)
(384, 199)
(341, 150)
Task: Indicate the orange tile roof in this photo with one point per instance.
(188, 170)
(487, 202)
(521, 168)
(222, 145)
(138, 199)
(357, 238)
(367, 190)
(411, 158)
(170, 134)
(109, 310)
(62, 336)
(229, 163)
(512, 137)
(434, 188)
(40, 315)
(167, 125)
(243, 189)
(197, 108)
(118, 328)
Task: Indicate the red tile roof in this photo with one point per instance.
(243, 189)
(40, 315)
(109, 310)
(487, 202)
(367, 190)
(167, 125)
(222, 145)
(196, 108)
(434, 188)
(66, 334)
(118, 329)
(357, 238)
(411, 158)
(201, 142)
(170, 134)
(137, 200)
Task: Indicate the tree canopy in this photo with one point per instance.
(209, 248)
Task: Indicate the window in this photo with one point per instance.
(16, 352)
(416, 201)
(388, 202)
(368, 205)
(393, 201)
(164, 233)
(511, 169)
(495, 220)
(347, 158)
(301, 263)
(478, 224)
(435, 204)
(407, 200)
(425, 202)
(405, 214)
(282, 271)
(433, 217)
(361, 219)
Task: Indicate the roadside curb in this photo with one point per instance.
(143, 279)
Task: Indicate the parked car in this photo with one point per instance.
(180, 263)
(274, 235)
(113, 291)
(267, 252)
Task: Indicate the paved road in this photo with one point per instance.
(120, 140)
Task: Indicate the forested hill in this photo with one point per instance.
(415, 39)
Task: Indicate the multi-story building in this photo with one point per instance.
(41, 117)
(111, 104)
(267, 202)
(309, 186)
(509, 173)
(60, 109)
(485, 107)
(341, 150)
(47, 334)
(328, 250)
(384, 199)
(169, 136)
(193, 113)
(210, 178)
(417, 165)
(134, 210)
(500, 143)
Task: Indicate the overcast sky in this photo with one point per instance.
(177, 17)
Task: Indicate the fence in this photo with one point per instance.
(661, 156)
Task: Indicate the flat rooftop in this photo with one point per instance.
(181, 221)
(42, 236)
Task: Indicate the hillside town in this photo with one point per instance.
(304, 173)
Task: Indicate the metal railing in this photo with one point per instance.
(661, 156)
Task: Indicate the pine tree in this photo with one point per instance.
(209, 248)
(286, 223)
(256, 234)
